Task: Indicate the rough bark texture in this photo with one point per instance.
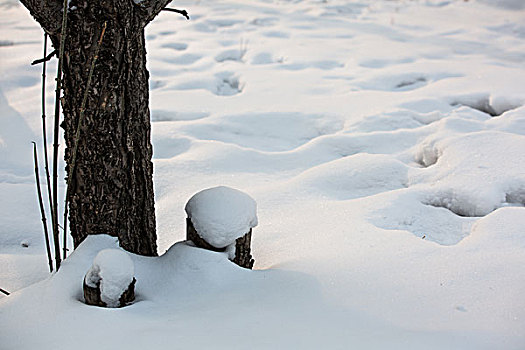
(111, 186)
(92, 295)
(48, 13)
(243, 255)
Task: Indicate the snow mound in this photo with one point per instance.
(465, 201)
(355, 176)
(411, 210)
(114, 270)
(473, 174)
(502, 228)
(222, 214)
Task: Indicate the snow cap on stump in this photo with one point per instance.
(112, 273)
(222, 214)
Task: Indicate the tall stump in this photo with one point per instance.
(221, 219)
(243, 256)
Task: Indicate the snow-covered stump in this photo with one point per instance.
(110, 282)
(240, 254)
(221, 219)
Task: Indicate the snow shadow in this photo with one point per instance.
(228, 84)
(161, 115)
(357, 176)
(15, 142)
(221, 84)
(402, 82)
(460, 204)
(487, 104)
(407, 210)
(267, 132)
(4, 43)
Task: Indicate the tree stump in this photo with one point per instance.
(243, 256)
(110, 280)
(92, 295)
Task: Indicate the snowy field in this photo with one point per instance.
(384, 143)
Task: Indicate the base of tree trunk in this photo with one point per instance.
(92, 295)
(243, 256)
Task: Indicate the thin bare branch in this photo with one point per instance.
(46, 58)
(182, 12)
(44, 140)
(42, 210)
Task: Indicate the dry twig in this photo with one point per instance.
(42, 210)
(182, 12)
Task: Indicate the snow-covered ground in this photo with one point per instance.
(382, 140)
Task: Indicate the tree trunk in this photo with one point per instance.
(111, 185)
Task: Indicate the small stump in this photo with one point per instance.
(110, 282)
(221, 219)
(92, 295)
(240, 255)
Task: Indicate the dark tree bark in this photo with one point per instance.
(111, 186)
(243, 251)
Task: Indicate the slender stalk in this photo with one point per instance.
(4, 291)
(42, 210)
(79, 128)
(63, 32)
(44, 135)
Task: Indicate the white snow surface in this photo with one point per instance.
(114, 270)
(222, 214)
(383, 141)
